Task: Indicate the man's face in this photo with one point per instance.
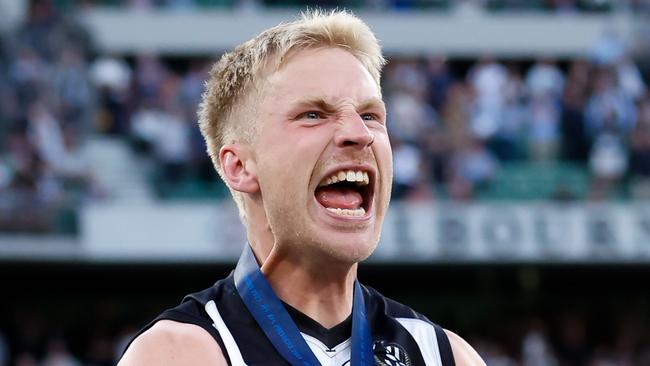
(324, 161)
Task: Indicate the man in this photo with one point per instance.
(296, 127)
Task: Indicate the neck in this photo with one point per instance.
(322, 290)
(323, 295)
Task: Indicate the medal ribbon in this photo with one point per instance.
(279, 328)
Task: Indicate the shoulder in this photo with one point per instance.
(172, 343)
(464, 354)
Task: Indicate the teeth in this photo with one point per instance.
(347, 212)
(360, 177)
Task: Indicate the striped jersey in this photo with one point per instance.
(401, 336)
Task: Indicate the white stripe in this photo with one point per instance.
(425, 336)
(235, 356)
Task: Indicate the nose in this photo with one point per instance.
(353, 132)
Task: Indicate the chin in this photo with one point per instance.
(347, 247)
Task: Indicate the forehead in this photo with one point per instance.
(332, 74)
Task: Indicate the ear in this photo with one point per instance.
(239, 168)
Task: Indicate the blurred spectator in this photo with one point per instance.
(111, 76)
(57, 354)
(409, 114)
(574, 141)
(609, 109)
(535, 348)
(573, 348)
(191, 88)
(640, 152)
(150, 74)
(472, 166)
(25, 359)
(407, 163)
(506, 140)
(439, 81)
(543, 127)
(72, 90)
(495, 355)
(38, 32)
(544, 79)
(609, 48)
(608, 163)
(100, 350)
(4, 351)
(172, 145)
(28, 75)
(489, 79)
(629, 78)
(124, 336)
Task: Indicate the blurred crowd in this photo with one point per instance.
(453, 132)
(569, 340)
(555, 6)
(46, 112)
(563, 340)
(453, 128)
(455, 125)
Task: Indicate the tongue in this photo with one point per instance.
(339, 197)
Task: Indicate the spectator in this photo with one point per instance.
(505, 144)
(608, 163)
(25, 359)
(407, 163)
(572, 347)
(409, 113)
(440, 79)
(609, 109)
(72, 89)
(535, 348)
(629, 79)
(489, 79)
(39, 31)
(57, 354)
(112, 77)
(28, 75)
(4, 351)
(172, 144)
(574, 142)
(543, 127)
(149, 76)
(640, 152)
(545, 79)
(472, 166)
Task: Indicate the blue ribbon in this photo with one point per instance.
(281, 331)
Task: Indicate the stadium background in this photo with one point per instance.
(521, 136)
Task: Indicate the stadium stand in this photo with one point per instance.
(81, 126)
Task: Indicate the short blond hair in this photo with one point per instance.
(226, 110)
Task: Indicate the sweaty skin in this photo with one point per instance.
(321, 112)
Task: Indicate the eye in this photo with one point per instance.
(368, 117)
(311, 115)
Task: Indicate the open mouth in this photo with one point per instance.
(346, 192)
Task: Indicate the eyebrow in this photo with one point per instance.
(328, 107)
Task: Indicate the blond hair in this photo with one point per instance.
(226, 112)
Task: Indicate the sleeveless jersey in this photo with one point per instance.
(401, 336)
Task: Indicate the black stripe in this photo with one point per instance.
(446, 355)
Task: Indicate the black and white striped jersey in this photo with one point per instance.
(401, 336)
